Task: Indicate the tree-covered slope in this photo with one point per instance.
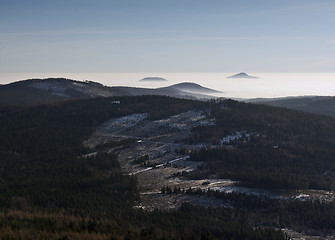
(50, 190)
(267, 147)
(41, 91)
(322, 105)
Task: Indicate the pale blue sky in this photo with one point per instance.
(167, 36)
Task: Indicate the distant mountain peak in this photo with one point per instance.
(41, 91)
(242, 75)
(193, 87)
(153, 79)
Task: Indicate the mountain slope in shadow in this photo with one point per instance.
(193, 88)
(40, 91)
(322, 105)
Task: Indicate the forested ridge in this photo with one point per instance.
(313, 216)
(49, 191)
(277, 148)
(40, 149)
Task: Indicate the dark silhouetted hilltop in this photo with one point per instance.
(41, 91)
(153, 79)
(322, 105)
(193, 87)
(241, 75)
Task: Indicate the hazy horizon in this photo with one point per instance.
(268, 85)
(290, 44)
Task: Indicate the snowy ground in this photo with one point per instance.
(160, 141)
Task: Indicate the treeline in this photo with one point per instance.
(189, 222)
(310, 216)
(284, 149)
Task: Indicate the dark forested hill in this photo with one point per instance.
(192, 87)
(268, 147)
(51, 189)
(314, 104)
(39, 91)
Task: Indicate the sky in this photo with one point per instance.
(167, 36)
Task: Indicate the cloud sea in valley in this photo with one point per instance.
(267, 85)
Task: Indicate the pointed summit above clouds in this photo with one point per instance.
(241, 75)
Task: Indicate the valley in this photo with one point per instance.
(155, 153)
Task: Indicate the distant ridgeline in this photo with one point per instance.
(40, 91)
(323, 105)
